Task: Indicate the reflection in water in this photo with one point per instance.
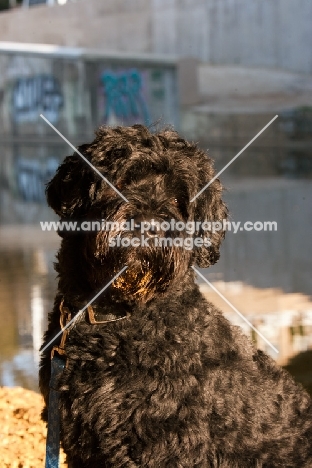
(27, 288)
(283, 319)
(37, 315)
(300, 367)
(276, 259)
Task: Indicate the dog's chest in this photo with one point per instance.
(136, 383)
(151, 365)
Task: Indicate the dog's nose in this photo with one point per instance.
(153, 230)
(147, 227)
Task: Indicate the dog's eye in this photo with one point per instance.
(174, 201)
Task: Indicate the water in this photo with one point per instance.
(27, 287)
(265, 275)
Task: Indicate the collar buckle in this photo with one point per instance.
(65, 318)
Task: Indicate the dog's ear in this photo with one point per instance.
(211, 210)
(68, 192)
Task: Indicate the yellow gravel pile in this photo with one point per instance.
(22, 433)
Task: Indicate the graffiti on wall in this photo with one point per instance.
(31, 177)
(124, 97)
(35, 95)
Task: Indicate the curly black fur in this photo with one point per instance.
(173, 385)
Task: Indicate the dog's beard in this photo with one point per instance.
(150, 269)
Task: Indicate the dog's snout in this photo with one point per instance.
(153, 229)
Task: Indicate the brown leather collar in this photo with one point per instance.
(66, 317)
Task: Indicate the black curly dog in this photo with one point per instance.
(166, 381)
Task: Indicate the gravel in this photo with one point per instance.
(22, 433)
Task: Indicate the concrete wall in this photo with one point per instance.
(270, 33)
(123, 25)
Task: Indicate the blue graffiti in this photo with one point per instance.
(31, 177)
(34, 95)
(124, 96)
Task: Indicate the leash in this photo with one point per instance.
(57, 367)
(53, 436)
(58, 363)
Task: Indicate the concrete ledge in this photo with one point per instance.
(56, 51)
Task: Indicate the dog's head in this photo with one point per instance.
(158, 174)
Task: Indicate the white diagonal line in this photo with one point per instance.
(232, 160)
(82, 310)
(83, 157)
(235, 310)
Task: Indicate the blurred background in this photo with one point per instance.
(218, 71)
